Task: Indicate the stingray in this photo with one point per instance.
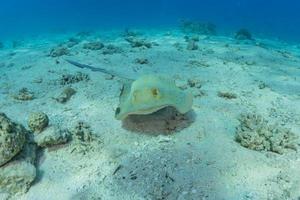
(146, 94)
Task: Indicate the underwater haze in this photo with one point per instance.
(150, 100)
(275, 18)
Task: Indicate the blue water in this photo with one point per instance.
(276, 18)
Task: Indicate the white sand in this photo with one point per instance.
(201, 161)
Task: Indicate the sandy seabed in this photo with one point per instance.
(194, 156)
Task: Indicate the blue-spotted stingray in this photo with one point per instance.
(146, 94)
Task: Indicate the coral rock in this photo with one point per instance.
(38, 121)
(66, 94)
(51, 136)
(17, 178)
(24, 95)
(67, 79)
(59, 51)
(12, 138)
(136, 42)
(18, 175)
(257, 134)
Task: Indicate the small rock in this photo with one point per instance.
(93, 46)
(192, 45)
(24, 95)
(262, 85)
(38, 121)
(66, 94)
(18, 175)
(111, 49)
(227, 95)
(108, 77)
(37, 80)
(72, 42)
(250, 63)
(51, 136)
(59, 51)
(141, 61)
(136, 42)
(194, 83)
(17, 178)
(198, 63)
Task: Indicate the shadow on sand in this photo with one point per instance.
(164, 121)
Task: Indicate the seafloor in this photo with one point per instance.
(165, 155)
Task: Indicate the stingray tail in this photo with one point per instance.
(94, 69)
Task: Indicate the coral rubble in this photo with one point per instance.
(82, 132)
(67, 79)
(254, 132)
(137, 42)
(83, 139)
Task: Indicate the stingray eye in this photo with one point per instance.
(154, 92)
